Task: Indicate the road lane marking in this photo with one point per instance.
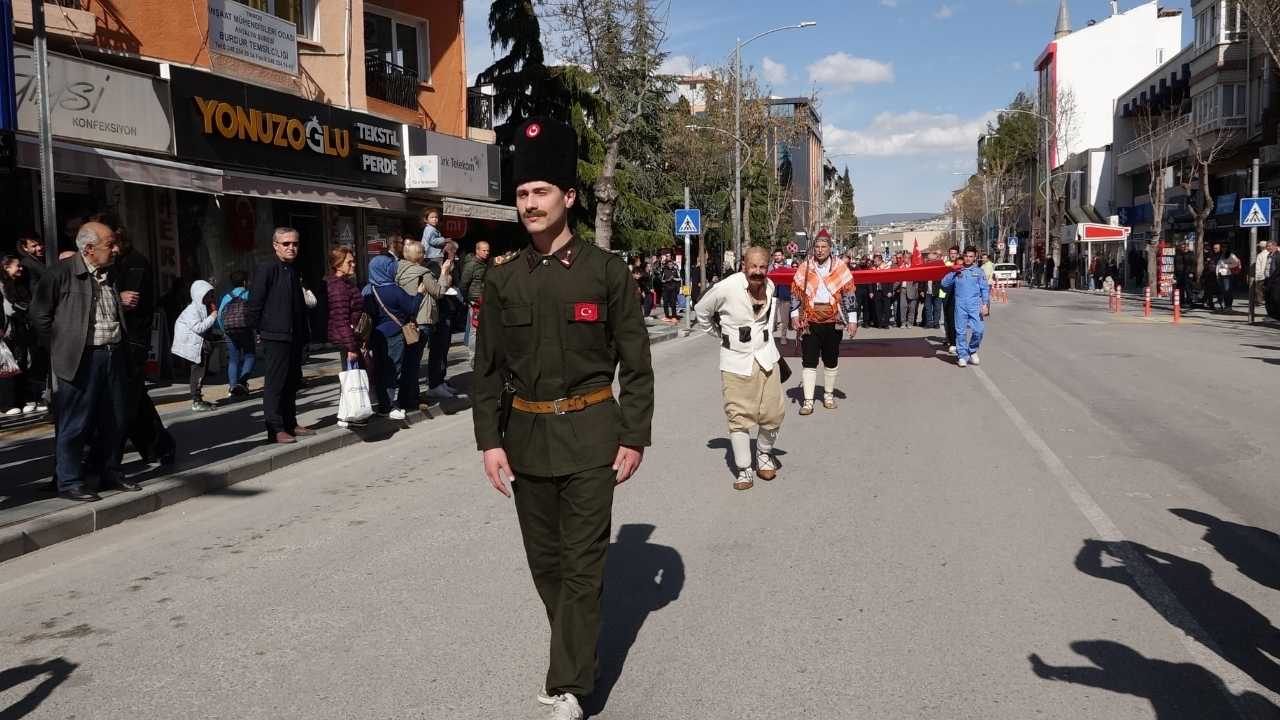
(1198, 643)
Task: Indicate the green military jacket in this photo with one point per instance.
(560, 326)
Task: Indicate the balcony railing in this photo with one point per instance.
(1177, 125)
(479, 109)
(387, 81)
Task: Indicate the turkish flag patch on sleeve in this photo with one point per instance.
(586, 312)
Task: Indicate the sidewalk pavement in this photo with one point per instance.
(1162, 310)
(215, 451)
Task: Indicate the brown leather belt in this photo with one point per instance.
(563, 406)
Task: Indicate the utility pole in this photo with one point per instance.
(40, 68)
(737, 150)
(688, 275)
(1048, 193)
(1253, 250)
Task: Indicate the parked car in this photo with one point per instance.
(1006, 273)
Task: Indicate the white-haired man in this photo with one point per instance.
(740, 311)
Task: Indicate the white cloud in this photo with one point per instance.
(681, 65)
(842, 69)
(774, 73)
(944, 12)
(909, 133)
(1017, 66)
(889, 3)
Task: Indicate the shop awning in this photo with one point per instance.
(73, 159)
(478, 210)
(278, 188)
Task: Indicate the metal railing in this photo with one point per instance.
(387, 81)
(1180, 124)
(479, 109)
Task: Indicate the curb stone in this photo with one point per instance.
(41, 532)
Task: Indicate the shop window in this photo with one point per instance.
(396, 56)
(299, 12)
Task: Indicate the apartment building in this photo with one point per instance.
(795, 148)
(1221, 91)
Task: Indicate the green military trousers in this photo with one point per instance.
(565, 523)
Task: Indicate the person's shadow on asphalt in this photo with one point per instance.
(1237, 632)
(57, 670)
(1175, 690)
(639, 578)
(1255, 552)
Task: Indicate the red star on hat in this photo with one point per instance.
(533, 131)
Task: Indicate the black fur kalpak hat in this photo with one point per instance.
(546, 150)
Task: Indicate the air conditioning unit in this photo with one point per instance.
(1269, 154)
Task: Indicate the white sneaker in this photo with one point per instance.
(396, 414)
(566, 707)
(962, 362)
(440, 392)
(951, 349)
(546, 698)
(973, 359)
(13, 411)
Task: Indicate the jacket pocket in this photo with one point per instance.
(517, 328)
(586, 325)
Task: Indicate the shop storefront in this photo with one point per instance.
(112, 151)
(286, 162)
(465, 183)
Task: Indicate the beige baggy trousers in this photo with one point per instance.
(754, 400)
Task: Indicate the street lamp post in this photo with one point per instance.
(737, 128)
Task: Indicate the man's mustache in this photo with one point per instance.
(534, 213)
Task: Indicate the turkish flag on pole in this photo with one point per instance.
(915, 253)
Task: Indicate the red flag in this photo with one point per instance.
(915, 253)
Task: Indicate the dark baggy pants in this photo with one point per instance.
(438, 343)
(146, 431)
(822, 341)
(669, 302)
(282, 378)
(92, 409)
(566, 524)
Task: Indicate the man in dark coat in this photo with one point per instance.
(277, 309)
(78, 313)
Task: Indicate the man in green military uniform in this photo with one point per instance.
(556, 323)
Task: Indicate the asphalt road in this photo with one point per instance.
(1083, 527)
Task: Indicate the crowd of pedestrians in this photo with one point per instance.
(86, 320)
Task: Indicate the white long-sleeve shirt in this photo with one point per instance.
(725, 311)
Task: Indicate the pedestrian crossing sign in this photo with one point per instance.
(1255, 212)
(688, 222)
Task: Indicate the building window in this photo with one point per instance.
(396, 56)
(1205, 107)
(300, 12)
(1207, 27)
(1234, 101)
(1236, 22)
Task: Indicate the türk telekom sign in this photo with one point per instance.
(95, 104)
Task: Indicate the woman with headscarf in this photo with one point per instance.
(391, 308)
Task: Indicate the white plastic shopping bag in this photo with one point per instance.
(354, 405)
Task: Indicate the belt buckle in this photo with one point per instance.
(555, 406)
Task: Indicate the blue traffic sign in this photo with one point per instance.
(689, 222)
(1255, 212)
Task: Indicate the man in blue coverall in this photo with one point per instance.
(973, 297)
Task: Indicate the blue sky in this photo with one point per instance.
(904, 85)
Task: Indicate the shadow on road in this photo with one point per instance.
(1176, 691)
(1237, 632)
(1255, 552)
(878, 347)
(639, 578)
(57, 669)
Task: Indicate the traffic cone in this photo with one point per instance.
(1177, 306)
(1146, 303)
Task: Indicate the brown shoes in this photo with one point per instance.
(767, 474)
(303, 430)
(284, 438)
